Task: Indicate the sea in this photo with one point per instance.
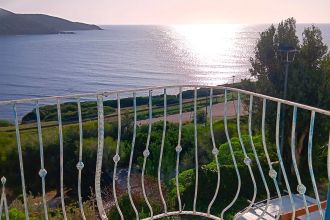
(126, 57)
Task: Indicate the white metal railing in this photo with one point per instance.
(301, 188)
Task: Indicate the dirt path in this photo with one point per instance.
(217, 110)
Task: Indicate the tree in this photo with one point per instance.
(266, 64)
(308, 80)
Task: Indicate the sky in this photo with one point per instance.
(176, 11)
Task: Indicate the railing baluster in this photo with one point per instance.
(272, 173)
(161, 155)
(4, 210)
(21, 165)
(327, 209)
(196, 149)
(215, 152)
(256, 156)
(116, 159)
(328, 159)
(146, 154)
(80, 165)
(42, 171)
(278, 116)
(60, 132)
(131, 160)
(247, 159)
(99, 157)
(301, 187)
(233, 158)
(178, 149)
(310, 163)
(3, 202)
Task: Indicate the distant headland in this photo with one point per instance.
(24, 24)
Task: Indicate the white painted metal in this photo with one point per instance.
(196, 149)
(99, 157)
(178, 149)
(215, 152)
(300, 188)
(21, 165)
(272, 173)
(279, 155)
(146, 154)
(42, 172)
(233, 158)
(80, 164)
(129, 188)
(247, 160)
(60, 134)
(256, 155)
(310, 163)
(180, 206)
(161, 155)
(3, 201)
(116, 159)
(108, 93)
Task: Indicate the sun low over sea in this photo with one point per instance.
(123, 57)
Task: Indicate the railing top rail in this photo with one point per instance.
(108, 93)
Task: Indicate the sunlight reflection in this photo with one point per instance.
(211, 48)
(208, 42)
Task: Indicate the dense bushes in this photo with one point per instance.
(69, 112)
(10, 166)
(228, 180)
(4, 123)
(207, 169)
(16, 214)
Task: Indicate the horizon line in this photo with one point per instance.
(178, 24)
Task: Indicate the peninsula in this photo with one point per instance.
(24, 24)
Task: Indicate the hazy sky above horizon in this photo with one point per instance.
(176, 11)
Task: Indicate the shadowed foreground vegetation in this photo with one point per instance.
(208, 176)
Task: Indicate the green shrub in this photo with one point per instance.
(4, 123)
(228, 179)
(15, 214)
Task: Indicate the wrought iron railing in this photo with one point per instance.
(249, 110)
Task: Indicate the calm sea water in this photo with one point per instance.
(121, 57)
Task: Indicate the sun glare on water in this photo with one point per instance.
(212, 48)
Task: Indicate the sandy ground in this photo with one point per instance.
(217, 109)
